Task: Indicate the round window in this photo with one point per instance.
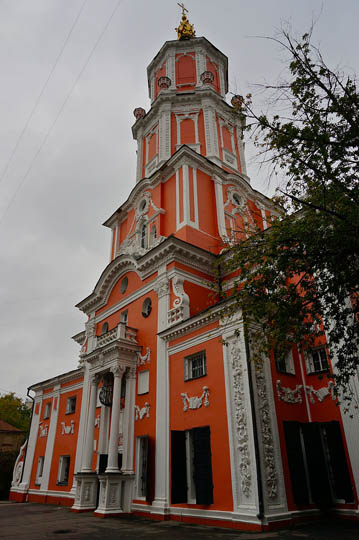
(124, 285)
(146, 307)
(143, 205)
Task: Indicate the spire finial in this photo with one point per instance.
(185, 29)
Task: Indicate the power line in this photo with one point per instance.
(3, 174)
(22, 181)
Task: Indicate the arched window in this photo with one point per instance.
(143, 235)
(153, 233)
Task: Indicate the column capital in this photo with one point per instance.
(118, 371)
(132, 373)
(162, 287)
(95, 379)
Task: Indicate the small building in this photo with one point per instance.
(165, 415)
(11, 437)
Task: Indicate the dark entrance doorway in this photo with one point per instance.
(317, 463)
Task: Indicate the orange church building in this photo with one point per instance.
(165, 416)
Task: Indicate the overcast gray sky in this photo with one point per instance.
(75, 161)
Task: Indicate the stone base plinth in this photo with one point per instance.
(86, 492)
(115, 493)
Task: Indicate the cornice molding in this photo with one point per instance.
(194, 323)
(171, 249)
(186, 155)
(59, 379)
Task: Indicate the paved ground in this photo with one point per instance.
(35, 522)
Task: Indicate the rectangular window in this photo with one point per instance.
(40, 468)
(284, 362)
(124, 317)
(317, 360)
(191, 467)
(63, 473)
(143, 382)
(195, 366)
(141, 467)
(47, 410)
(71, 405)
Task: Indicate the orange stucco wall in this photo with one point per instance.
(213, 416)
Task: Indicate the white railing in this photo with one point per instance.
(120, 332)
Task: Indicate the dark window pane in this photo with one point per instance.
(203, 465)
(178, 467)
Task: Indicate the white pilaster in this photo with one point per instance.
(80, 447)
(112, 465)
(139, 155)
(24, 486)
(161, 502)
(88, 454)
(164, 150)
(220, 207)
(210, 128)
(50, 438)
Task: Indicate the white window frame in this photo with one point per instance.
(70, 409)
(40, 469)
(311, 370)
(289, 363)
(141, 454)
(47, 410)
(143, 385)
(61, 480)
(124, 316)
(188, 366)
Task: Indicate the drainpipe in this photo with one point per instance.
(260, 514)
(32, 412)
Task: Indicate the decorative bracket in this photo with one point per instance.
(146, 357)
(180, 310)
(195, 402)
(67, 430)
(144, 412)
(320, 393)
(289, 395)
(43, 430)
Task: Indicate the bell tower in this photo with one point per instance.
(188, 83)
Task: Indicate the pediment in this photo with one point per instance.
(109, 277)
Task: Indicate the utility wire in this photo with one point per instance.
(60, 110)
(3, 174)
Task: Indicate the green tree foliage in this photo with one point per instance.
(303, 270)
(14, 411)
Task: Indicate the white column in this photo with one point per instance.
(88, 454)
(129, 422)
(112, 465)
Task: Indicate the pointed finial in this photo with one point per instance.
(185, 29)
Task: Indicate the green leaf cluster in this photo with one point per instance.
(14, 411)
(300, 276)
